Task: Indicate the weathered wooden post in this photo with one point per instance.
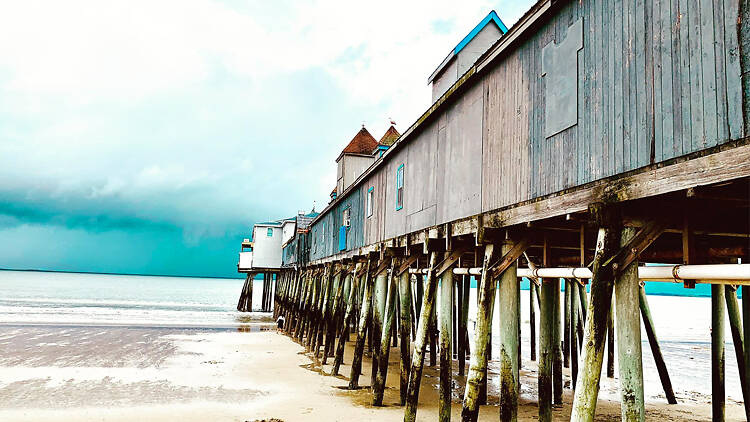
(455, 300)
(557, 353)
(629, 355)
(446, 366)
(718, 393)
(478, 361)
(546, 347)
(311, 312)
(573, 331)
(458, 338)
(378, 311)
(433, 337)
(592, 356)
(611, 342)
(321, 311)
(378, 387)
(735, 325)
(339, 358)
(566, 325)
(746, 335)
(303, 305)
(661, 367)
(532, 319)
(404, 332)
(364, 321)
(485, 380)
(420, 344)
(419, 296)
(243, 296)
(464, 325)
(335, 313)
(509, 363)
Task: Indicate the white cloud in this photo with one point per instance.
(201, 111)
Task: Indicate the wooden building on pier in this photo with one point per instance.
(590, 137)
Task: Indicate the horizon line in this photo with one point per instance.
(38, 270)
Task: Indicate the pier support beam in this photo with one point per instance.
(509, 326)
(404, 332)
(718, 393)
(661, 366)
(532, 319)
(478, 361)
(566, 325)
(378, 387)
(557, 356)
(746, 335)
(611, 342)
(364, 321)
(334, 313)
(595, 331)
(629, 355)
(350, 306)
(378, 314)
(574, 311)
(420, 344)
(546, 347)
(446, 348)
(735, 324)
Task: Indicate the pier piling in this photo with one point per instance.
(718, 393)
(417, 362)
(595, 330)
(629, 353)
(478, 361)
(446, 358)
(509, 325)
(378, 386)
(405, 333)
(364, 321)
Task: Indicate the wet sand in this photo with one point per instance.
(152, 373)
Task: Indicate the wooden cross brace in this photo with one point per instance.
(629, 253)
(509, 258)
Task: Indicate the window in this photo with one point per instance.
(269, 233)
(400, 187)
(370, 195)
(346, 217)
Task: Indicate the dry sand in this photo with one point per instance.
(153, 374)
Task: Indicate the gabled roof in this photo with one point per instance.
(389, 137)
(362, 143)
(491, 17)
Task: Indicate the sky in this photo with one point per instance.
(146, 137)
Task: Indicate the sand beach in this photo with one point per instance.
(106, 373)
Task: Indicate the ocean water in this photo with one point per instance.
(28, 297)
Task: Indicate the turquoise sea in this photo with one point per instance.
(31, 297)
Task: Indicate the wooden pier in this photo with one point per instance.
(592, 138)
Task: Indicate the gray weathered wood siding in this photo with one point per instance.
(656, 79)
(326, 230)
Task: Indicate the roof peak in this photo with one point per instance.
(491, 17)
(390, 136)
(362, 143)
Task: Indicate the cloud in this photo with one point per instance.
(203, 116)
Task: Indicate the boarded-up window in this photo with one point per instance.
(560, 73)
(370, 196)
(400, 187)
